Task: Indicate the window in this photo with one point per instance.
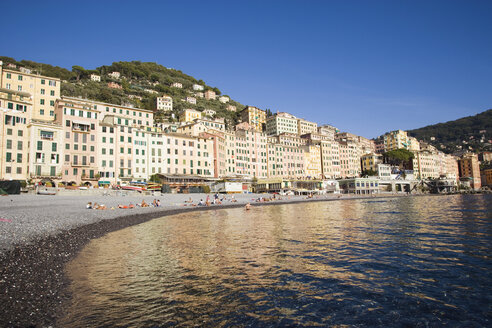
(41, 112)
(52, 93)
(19, 145)
(9, 132)
(43, 82)
(20, 77)
(42, 91)
(9, 76)
(41, 101)
(20, 133)
(53, 146)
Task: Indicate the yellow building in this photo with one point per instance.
(15, 107)
(254, 117)
(44, 91)
(395, 140)
(189, 115)
(312, 161)
(370, 161)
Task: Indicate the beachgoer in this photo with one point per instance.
(200, 203)
(144, 204)
(248, 206)
(158, 203)
(89, 206)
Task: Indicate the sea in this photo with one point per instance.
(423, 261)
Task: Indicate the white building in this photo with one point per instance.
(177, 85)
(191, 100)
(224, 99)
(198, 87)
(164, 103)
(95, 78)
(114, 75)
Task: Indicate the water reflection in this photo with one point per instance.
(409, 261)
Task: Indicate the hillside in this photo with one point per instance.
(468, 133)
(140, 84)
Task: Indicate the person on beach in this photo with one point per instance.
(247, 207)
(89, 206)
(144, 204)
(233, 199)
(200, 203)
(207, 202)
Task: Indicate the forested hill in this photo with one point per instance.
(140, 84)
(468, 133)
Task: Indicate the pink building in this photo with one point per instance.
(251, 151)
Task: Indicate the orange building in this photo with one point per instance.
(469, 168)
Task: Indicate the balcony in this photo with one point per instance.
(80, 127)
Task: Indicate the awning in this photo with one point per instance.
(80, 122)
(104, 182)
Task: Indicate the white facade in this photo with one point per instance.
(164, 103)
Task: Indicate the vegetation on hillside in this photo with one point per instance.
(141, 83)
(468, 133)
(399, 157)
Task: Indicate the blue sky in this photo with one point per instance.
(366, 67)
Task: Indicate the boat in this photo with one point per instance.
(46, 191)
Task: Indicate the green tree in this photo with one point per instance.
(398, 157)
(78, 71)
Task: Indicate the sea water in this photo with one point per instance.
(408, 261)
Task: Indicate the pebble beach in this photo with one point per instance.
(39, 234)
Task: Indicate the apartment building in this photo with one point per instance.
(250, 152)
(136, 117)
(281, 123)
(45, 151)
(95, 78)
(164, 103)
(210, 95)
(350, 165)
(224, 99)
(15, 108)
(115, 153)
(284, 161)
(328, 130)
(80, 123)
(43, 90)
(426, 164)
(395, 140)
(219, 151)
(189, 115)
(191, 100)
(114, 75)
(255, 117)
(312, 161)
(198, 87)
(209, 112)
(174, 153)
(177, 85)
(370, 162)
(469, 168)
(304, 126)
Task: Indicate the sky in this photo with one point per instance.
(366, 67)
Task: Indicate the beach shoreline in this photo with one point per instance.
(33, 284)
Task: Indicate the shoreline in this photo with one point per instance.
(33, 284)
